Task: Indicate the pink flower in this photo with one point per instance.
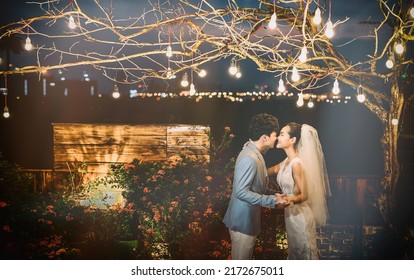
(231, 136)
(227, 129)
(209, 178)
(186, 182)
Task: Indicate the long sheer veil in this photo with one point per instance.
(310, 151)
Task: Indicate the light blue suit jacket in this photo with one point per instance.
(248, 196)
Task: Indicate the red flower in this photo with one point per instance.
(3, 204)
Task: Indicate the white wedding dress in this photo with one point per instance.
(299, 219)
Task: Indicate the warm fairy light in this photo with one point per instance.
(272, 22)
(303, 54)
(202, 73)
(281, 88)
(170, 74)
(28, 46)
(389, 63)
(329, 32)
(300, 102)
(233, 67)
(317, 19)
(412, 12)
(184, 80)
(360, 94)
(310, 103)
(192, 90)
(295, 74)
(238, 73)
(71, 22)
(394, 121)
(335, 89)
(6, 113)
(399, 48)
(169, 52)
(115, 92)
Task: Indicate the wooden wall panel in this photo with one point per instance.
(100, 145)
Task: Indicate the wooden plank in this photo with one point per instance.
(106, 149)
(109, 139)
(187, 150)
(188, 141)
(187, 130)
(108, 129)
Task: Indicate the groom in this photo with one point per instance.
(243, 216)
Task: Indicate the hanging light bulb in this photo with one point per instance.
(360, 94)
(238, 73)
(295, 74)
(303, 54)
(412, 12)
(329, 32)
(399, 48)
(300, 102)
(184, 80)
(335, 89)
(115, 92)
(281, 88)
(317, 19)
(202, 73)
(272, 22)
(233, 67)
(169, 74)
(28, 46)
(71, 22)
(394, 121)
(310, 103)
(6, 113)
(192, 89)
(169, 52)
(389, 63)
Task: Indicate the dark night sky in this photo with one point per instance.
(350, 134)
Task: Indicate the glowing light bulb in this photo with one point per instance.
(192, 89)
(169, 73)
(115, 92)
(303, 54)
(238, 73)
(272, 22)
(71, 23)
(394, 121)
(310, 103)
(389, 63)
(28, 46)
(295, 74)
(360, 94)
(184, 81)
(329, 29)
(6, 113)
(233, 67)
(399, 48)
(335, 89)
(300, 102)
(202, 73)
(169, 52)
(317, 19)
(281, 88)
(412, 12)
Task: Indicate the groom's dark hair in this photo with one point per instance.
(262, 124)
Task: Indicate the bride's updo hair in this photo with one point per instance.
(295, 130)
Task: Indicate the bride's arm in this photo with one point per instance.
(272, 171)
(300, 184)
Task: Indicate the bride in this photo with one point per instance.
(303, 178)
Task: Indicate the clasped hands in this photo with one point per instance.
(281, 201)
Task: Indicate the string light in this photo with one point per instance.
(399, 48)
(360, 94)
(335, 89)
(394, 121)
(202, 73)
(28, 46)
(300, 102)
(273, 18)
(295, 74)
(184, 80)
(412, 12)
(71, 23)
(281, 88)
(317, 19)
(115, 92)
(233, 67)
(310, 103)
(303, 57)
(238, 73)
